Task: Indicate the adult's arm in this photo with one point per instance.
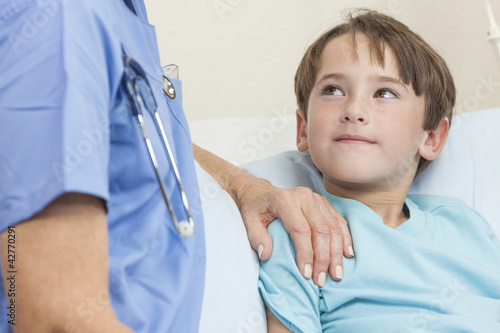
(61, 262)
(319, 233)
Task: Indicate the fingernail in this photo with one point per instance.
(307, 271)
(321, 279)
(338, 272)
(351, 251)
(260, 249)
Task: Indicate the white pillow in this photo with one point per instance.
(231, 302)
(468, 168)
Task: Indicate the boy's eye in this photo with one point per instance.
(385, 93)
(332, 90)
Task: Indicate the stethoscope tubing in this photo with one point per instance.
(184, 228)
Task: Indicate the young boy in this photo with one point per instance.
(375, 105)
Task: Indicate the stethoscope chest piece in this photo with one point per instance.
(168, 88)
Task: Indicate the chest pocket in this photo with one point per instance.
(176, 109)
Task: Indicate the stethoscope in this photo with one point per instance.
(139, 94)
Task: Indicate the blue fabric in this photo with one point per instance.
(438, 272)
(66, 127)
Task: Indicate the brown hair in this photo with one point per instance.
(419, 65)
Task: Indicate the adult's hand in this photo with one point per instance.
(320, 234)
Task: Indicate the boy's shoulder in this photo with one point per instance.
(442, 205)
(448, 208)
(455, 221)
(431, 202)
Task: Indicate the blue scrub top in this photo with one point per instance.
(65, 126)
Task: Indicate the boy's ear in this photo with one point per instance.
(302, 143)
(434, 141)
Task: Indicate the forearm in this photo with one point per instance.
(231, 178)
(62, 269)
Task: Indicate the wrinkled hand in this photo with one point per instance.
(319, 233)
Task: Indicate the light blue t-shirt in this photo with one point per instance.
(437, 272)
(66, 126)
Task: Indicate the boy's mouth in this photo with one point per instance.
(353, 139)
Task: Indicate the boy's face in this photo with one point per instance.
(364, 126)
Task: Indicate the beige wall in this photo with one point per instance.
(237, 58)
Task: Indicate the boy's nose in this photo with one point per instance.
(360, 119)
(354, 113)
